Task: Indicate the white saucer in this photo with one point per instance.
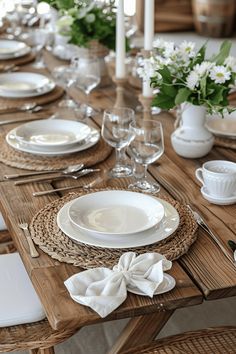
(92, 139)
(216, 200)
(167, 285)
(166, 228)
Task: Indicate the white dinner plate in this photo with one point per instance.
(115, 212)
(167, 284)
(52, 133)
(91, 140)
(224, 127)
(10, 49)
(167, 226)
(24, 84)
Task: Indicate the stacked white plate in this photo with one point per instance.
(12, 49)
(52, 137)
(118, 219)
(24, 84)
(222, 127)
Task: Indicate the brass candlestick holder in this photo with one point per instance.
(120, 91)
(145, 100)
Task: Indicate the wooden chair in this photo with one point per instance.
(219, 340)
(18, 304)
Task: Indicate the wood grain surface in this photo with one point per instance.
(203, 272)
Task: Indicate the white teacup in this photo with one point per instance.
(219, 178)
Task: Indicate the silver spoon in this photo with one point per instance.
(61, 176)
(24, 108)
(69, 169)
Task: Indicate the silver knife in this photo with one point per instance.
(77, 175)
(206, 228)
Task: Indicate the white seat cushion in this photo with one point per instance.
(19, 302)
(2, 223)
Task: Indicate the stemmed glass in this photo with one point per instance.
(66, 76)
(38, 39)
(117, 133)
(88, 77)
(146, 147)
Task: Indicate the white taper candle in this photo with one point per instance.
(148, 39)
(120, 41)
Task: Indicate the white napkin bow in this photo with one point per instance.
(104, 289)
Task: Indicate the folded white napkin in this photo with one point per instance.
(2, 223)
(104, 289)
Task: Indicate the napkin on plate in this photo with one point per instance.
(2, 223)
(104, 289)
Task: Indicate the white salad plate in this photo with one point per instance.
(167, 284)
(52, 133)
(24, 84)
(13, 49)
(163, 230)
(115, 212)
(216, 200)
(224, 127)
(91, 140)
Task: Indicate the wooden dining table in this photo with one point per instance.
(204, 273)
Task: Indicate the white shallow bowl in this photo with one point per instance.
(116, 212)
(24, 84)
(90, 141)
(10, 49)
(48, 134)
(163, 230)
(224, 127)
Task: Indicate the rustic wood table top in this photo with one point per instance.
(203, 273)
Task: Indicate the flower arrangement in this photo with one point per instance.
(87, 20)
(182, 74)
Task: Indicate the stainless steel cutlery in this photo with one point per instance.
(61, 176)
(206, 228)
(25, 227)
(67, 170)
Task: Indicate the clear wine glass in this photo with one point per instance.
(117, 133)
(65, 76)
(38, 39)
(146, 147)
(88, 77)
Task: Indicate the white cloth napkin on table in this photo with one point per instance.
(105, 289)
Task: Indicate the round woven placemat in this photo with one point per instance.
(47, 235)
(15, 158)
(49, 97)
(28, 58)
(225, 143)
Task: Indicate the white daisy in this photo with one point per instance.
(219, 74)
(187, 48)
(230, 62)
(192, 80)
(203, 68)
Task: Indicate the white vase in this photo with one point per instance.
(192, 139)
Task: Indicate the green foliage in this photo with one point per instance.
(191, 78)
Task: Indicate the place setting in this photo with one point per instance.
(15, 52)
(52, 144)
(224, 130)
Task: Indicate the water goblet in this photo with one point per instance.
(88, 77)
(65, 76)
(117, 133)
(38, 39)
(146, 147)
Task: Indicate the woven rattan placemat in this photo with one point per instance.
(28, 58)
(225, 143)
(49, 97)
(89, 157)
(54, 242)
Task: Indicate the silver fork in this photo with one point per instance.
(206, 228)
(25, 227)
